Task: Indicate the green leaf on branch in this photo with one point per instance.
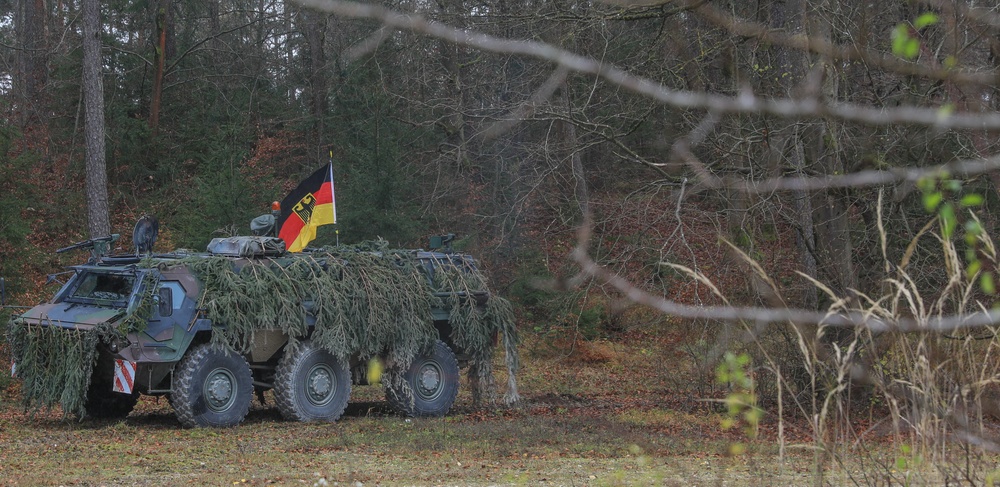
(925, 19)
(948, 220)
(903, 45)
(972, 227)
(987, 284)
(926, 184)
(970, 200)
(972, 269)
(932, 200)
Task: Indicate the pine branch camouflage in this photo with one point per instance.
(55, 364)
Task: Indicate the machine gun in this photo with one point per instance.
(442, 242)
(99, 247)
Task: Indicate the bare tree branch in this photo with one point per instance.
(876, 324)
(524, 110)
(744, 103)
(851, 52)
(964, 168)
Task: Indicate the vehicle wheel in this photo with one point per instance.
(104, 403)
(432, 381)
(310, 384)
(212, 387)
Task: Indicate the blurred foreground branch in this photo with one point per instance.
(744, 103)
(876, 324)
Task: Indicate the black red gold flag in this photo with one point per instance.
(308, 206)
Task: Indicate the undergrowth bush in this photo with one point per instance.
(933, 393)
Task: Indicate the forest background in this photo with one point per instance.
(809, 185)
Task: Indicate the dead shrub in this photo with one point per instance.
(573, 348)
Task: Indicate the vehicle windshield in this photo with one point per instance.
(97, 288)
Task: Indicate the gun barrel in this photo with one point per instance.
(74, 246)
(88, 243)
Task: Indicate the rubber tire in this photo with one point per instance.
(291, 384)
(104, 403)
(190, 398)
(434, 403)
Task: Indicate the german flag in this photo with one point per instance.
(308, 206)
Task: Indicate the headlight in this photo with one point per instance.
(118, 344)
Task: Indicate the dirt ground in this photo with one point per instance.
(593, 413)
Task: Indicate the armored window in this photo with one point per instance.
(169, 297)
(103, 288)
(166, 301)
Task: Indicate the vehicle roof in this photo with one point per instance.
(131, 263)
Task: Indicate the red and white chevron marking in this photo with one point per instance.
(124, 376)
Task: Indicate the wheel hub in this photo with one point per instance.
(219, 389)
(320, 384)
(429, 380)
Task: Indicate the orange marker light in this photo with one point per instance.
(275, 206)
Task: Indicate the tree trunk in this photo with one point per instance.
(833, 232)
(289, 54)
(217, 47)
(789, 16)
(32, 59)
(806, 236)
(580, 190)
(159, 60)
(314, 30)
(98, 223)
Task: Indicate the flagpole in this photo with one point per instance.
(333, 199)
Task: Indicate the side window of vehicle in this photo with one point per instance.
(169, 297)
(166, 301)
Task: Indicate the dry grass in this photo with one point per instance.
(610, 422)
(643, 410)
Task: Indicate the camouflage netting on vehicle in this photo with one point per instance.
(365, 303)
(475, 327)
(138, 320)
(54, 363)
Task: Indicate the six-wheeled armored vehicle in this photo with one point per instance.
(208, 329)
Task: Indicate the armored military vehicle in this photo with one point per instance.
(208, 329)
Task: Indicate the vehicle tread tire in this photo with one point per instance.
(290, 389)
(103, 403)
(407, 402)
(188, 398)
